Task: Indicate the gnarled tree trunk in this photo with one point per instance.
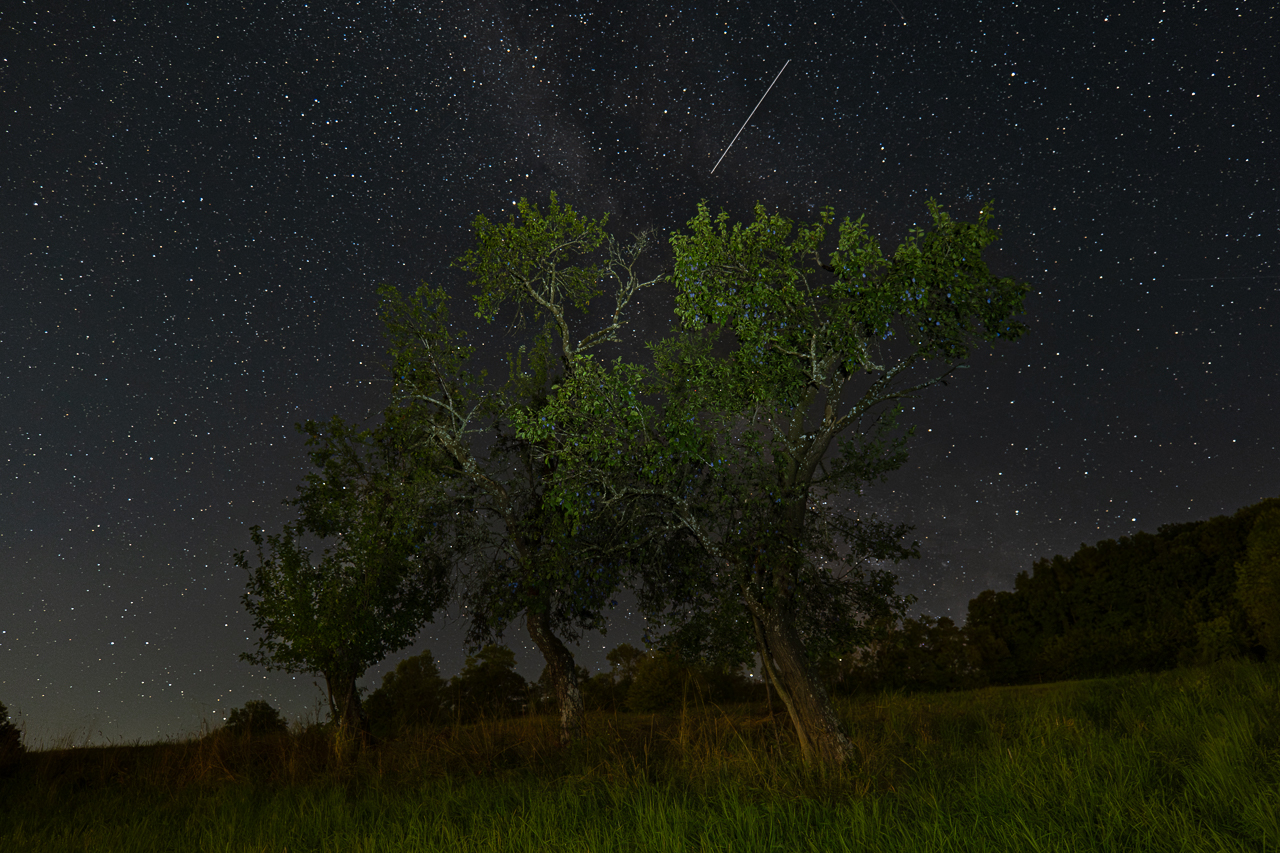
(818, 729)
(564, 675)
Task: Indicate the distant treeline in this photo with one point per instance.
(1190, 593)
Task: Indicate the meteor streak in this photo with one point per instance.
(753, 112)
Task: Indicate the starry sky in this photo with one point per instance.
(197, 202)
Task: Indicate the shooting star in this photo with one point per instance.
(748, 121)
(899, 11)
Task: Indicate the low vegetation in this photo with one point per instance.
(1187, 759)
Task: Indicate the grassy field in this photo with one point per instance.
(1186, 760)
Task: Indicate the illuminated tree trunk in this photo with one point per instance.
(564, 675)
(819, 730)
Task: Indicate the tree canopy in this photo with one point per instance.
(779, 357)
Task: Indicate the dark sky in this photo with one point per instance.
(198, 201)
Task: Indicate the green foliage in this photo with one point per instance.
(624, 662)
(1142, 603)
(256, 718)
(11, 748)
(488, 686)
(412, 696)
(1258, 580)
(601, 692)
(535, 255)
(747, 400)
(545, 262)
(378, 499)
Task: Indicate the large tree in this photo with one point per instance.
(549, 265)
(778, 394)
(390, 530)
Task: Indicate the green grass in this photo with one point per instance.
(1186, 760)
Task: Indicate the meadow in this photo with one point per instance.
(1185, 760)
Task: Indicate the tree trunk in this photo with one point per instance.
(564, 675)
(344, 708)
(819, 729)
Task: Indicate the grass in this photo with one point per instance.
(1187, 760)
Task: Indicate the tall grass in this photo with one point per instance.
(1182, 760)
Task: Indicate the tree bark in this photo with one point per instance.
(821, 734)
(345, 708)
(564, 675)
(784, 693)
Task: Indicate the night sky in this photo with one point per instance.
(197, 203)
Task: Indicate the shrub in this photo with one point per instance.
(256, 718)
(411, 696)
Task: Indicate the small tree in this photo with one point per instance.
(413, 695)
(257, 717)
(380, 501)
(624, 661)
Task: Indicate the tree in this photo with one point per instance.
(778, 357)
(559, 579)
(378, 498)
(662, 682)
(927, 653)
(410, 696)
(11, 748)
(1143, 603)
(489, 685)
(256, 717)
(624, 661)
(1258, 580)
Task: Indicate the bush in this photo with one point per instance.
(256, 718)
(411, 696)
(11, 748)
